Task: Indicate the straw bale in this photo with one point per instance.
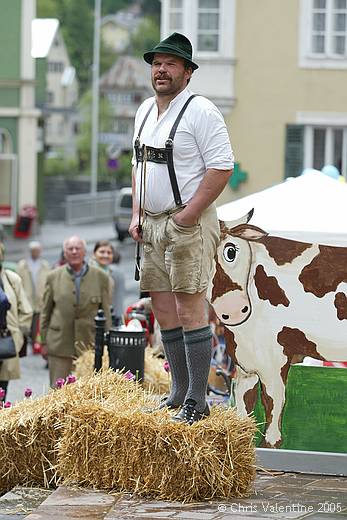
(84, 364)
(148, 454)
(30, 430)
(156, 379)
(98, 432)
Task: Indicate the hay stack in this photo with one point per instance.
(156, 379)
(147, 454)
(98, 432)
(30, 430)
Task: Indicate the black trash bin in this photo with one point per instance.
(126, 350)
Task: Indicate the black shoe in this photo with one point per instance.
(189, 414)
(164, 403)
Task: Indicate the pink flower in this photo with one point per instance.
(28, 392)
(71, 379)
(7, 404)
(60, 382)
(166, 366)
(129, 376)
(2, 393)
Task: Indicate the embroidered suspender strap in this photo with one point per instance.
(169, 151)
(137, 140)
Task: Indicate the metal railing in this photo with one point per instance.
(89, 207)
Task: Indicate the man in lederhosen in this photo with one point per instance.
(182, 161)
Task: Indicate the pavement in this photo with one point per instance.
(280, 496)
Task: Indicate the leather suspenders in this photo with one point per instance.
(163, 155)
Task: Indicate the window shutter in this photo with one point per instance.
(294, 160)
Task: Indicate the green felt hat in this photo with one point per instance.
(176, 44)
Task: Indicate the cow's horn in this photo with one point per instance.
(242, 220)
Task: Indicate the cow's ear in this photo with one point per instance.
(248, 232)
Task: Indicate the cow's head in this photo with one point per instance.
(229, 289)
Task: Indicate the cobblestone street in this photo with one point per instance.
(282, 496)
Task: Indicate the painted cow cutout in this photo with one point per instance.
(279, 300)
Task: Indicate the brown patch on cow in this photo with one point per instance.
(230, 344)
(250, 398)
(282, 250)
(294, 342)
(222, 283)
(268, 404)
(326, 271)
(224, 230)
(284, 372)
(340, 303)
(268, 288)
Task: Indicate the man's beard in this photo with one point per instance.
(171, 87)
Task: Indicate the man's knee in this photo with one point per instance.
(164, 308)
(192, 310)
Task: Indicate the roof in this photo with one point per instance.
(127, 18)
(126, 72)
(310, 207)
(43, 34)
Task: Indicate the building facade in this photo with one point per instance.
(125, 85)
(18, 115)
(284, 77)
(57, 93)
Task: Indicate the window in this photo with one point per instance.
(5, 141)
(121, 126)
(329, 27)
(176, 15)
(323, 34)
(314, 146)
(208, 26)
(8, 178)
(330, 147)
(55, 66)
(122, 98)
(50, 97)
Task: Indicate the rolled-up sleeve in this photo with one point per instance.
(213, 139)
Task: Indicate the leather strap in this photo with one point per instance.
(137, 140)
(169, 148)
(156, 155)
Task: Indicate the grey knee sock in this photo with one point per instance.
(176, 356)
(198, 344)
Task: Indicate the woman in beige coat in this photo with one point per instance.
(18, 320)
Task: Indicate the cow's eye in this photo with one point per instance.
(229, 252)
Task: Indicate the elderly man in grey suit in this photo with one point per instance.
(73, 294)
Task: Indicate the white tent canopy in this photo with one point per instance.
(312, 207)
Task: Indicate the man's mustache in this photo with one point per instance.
(162, 76)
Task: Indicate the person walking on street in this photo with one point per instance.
(33, 271)
(106, 258)
(182, 161)
(18, 321)
(73, 294)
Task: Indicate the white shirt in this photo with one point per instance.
(201, 142)
(34, 267)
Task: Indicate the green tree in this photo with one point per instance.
(151, 8)
(145, 37)
(78, 29)
(47, 9)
